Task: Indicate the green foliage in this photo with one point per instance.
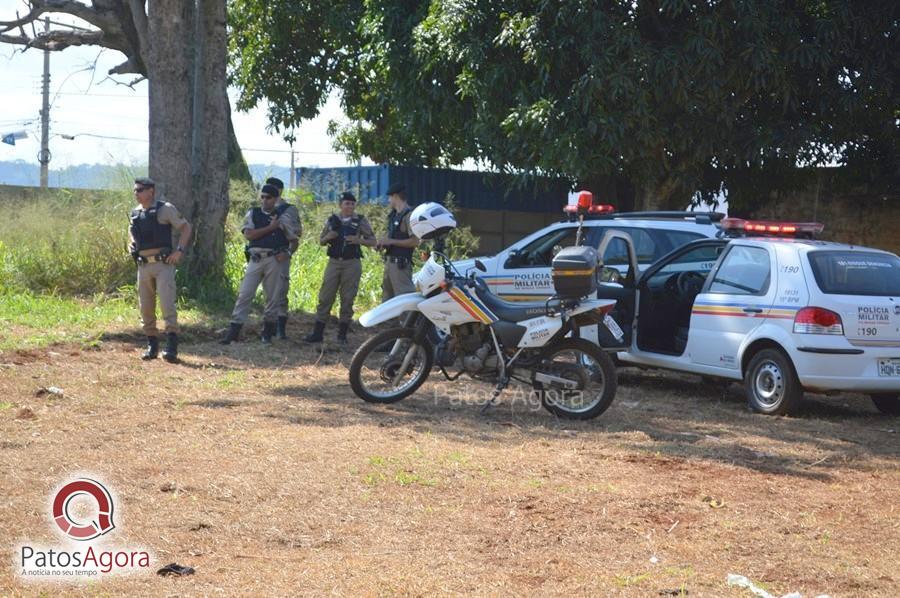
(301, 43)
(675, 96)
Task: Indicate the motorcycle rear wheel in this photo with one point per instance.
(585, 364)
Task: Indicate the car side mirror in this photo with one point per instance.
(480, 265)
(608, 274)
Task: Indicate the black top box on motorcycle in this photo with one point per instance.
(574, 272)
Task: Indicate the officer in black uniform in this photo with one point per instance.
(268, 246)
(344, 234)
(398, 245)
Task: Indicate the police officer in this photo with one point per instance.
(267, 249)
(398, 245)
(290, 219)
(152, 223)
(344, 234)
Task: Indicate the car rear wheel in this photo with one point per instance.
(771, 384)
(887, 403)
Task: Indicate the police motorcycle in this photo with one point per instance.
(454, 322)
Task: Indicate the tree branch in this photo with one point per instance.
(123, 84)
(32, 15)
(68, 7)
(139, 17)
(130, 66)
(58, 40)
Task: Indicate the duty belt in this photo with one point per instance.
(397, 260)
(156, 257)
(256, 257)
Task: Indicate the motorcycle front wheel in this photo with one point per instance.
(575, 379)
(390, 366)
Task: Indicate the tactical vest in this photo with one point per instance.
(395, 231)
(147, 231)
(338, 248)
(274, 240)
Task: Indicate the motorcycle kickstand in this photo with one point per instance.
(499, 388)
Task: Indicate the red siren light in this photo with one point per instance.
(585, 204)
(766, 227)
(585, 200)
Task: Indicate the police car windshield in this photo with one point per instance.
(856, 273)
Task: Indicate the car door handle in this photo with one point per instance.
(752, 310)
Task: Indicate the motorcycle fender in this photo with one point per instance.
(392, 308)
(591, 304)
(539, 330)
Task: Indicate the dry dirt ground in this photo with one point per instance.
(260, 469)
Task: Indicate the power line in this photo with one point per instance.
(243, 149)
(90, 95)
(287, 151)
(72, 137)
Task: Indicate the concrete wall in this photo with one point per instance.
(849, 216)
(498, 229)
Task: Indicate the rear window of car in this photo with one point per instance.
(856, 272)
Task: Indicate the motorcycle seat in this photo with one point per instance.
(508, 310)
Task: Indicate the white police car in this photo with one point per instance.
(521, 272)
(772, 307)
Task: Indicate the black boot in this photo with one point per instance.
(316, 336)
(170, 353)
(152, 348)
(234, 330)
(343, 327)
(268, 332)
(281, 330)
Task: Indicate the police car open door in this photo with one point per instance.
(618, 286)
(655, 310)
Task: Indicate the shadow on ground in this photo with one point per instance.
(666, 416)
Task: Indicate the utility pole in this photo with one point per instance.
(293, 170)
(44, 155)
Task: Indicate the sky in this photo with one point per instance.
(84, 104)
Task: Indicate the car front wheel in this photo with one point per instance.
(887, 403)
(771, 384)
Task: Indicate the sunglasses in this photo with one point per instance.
(141, 189)
(264, 196)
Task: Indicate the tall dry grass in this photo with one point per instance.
(76, 245)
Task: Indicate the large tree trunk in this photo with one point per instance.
(168, 61)
(189, 118)
(180, 47)
(658, 195)
(211, 126)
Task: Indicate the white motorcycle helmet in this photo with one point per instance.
(431, 220)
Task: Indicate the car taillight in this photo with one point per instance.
(816, 320)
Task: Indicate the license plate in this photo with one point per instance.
(889, 368)
(613, 327)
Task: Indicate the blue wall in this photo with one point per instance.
(473, 190)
